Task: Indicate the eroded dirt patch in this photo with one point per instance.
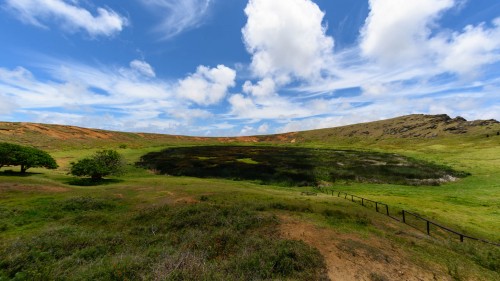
(5, 187)
(351, 257)
(187, 200)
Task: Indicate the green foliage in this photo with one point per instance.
(103, 163)
(26, 157)
(86, 203)
(189, 242)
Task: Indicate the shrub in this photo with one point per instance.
(103, 163)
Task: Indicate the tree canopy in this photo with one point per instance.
(24, 156)
(101, 164)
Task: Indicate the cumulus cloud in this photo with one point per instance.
(142, 68)
(466, 52)
(207, 86)
(178, 16)
(115, 98)
(286, 38)
(69, 15)
(396, 31)
(406, 34)
(263, 88)
(287, 41)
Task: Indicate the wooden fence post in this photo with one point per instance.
(376, 206)
(404, 219)
(428, 228)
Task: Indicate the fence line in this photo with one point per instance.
(384, 209)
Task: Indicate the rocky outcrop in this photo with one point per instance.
(412, 126)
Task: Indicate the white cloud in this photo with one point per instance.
(262, 129)
(246, 131)
(286, 38)
(142, 68)
(108, 98)
(178, 16)
(189, 114)
(375, 89)
(70, 16)
(129, 102)
(6, 106)
(117, 97)
(466, 52)
(396, 31)
(270, 107)
(470, 105)
(263, 88)
(208, 85)
(400, 34)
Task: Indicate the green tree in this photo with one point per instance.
(7, 153)
(101, 164)
(24, 156)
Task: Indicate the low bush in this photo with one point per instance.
(202, 241)
(86, 204)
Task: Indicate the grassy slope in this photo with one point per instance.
(470, 204)
(43, 218)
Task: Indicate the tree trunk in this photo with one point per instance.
(23, 169)
(96, 177)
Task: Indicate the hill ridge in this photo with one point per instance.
(415, 126)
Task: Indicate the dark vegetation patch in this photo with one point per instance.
(290, 166)
(91, 182)
(200, 241)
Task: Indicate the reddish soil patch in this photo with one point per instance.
(186, 200)
(351, 257)
(58, 132)
(25, 188)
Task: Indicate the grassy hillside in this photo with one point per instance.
(58, 137)
(148, 226)
(415, 128)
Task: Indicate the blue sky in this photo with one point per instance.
(244, 67)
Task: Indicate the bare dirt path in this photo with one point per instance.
(351, 257)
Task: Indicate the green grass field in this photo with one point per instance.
(148, 226)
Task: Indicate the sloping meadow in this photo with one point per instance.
(291, 166)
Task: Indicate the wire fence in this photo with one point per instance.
(407, 217)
